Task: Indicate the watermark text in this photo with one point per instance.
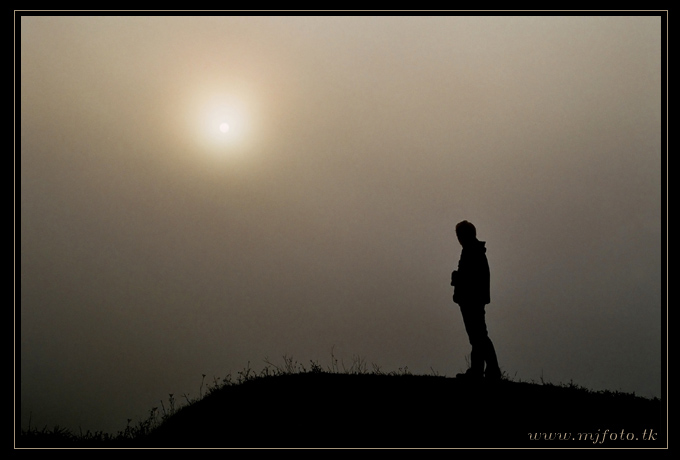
(598, 437)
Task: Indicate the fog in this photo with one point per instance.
(154, 248)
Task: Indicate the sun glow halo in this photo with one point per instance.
(221, 122)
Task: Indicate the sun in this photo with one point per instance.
(220, 121)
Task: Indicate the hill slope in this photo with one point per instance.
(367, 410)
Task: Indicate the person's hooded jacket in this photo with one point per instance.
(471, 280)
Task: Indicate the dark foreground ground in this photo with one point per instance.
(342, 410)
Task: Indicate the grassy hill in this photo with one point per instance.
(330, 409)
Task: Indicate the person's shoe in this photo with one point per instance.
(493, 376)
(470, 375)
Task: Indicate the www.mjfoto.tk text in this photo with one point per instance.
(598, 437)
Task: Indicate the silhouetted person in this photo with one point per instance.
(472, 293)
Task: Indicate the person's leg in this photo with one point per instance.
(489, 351)
(471, 320)
(482, 346)
(492, 370)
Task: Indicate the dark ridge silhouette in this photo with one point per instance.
(398, 411)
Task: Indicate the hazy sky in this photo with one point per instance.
(155, 248)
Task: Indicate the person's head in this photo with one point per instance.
(466, 232)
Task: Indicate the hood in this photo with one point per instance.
(476, 246)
